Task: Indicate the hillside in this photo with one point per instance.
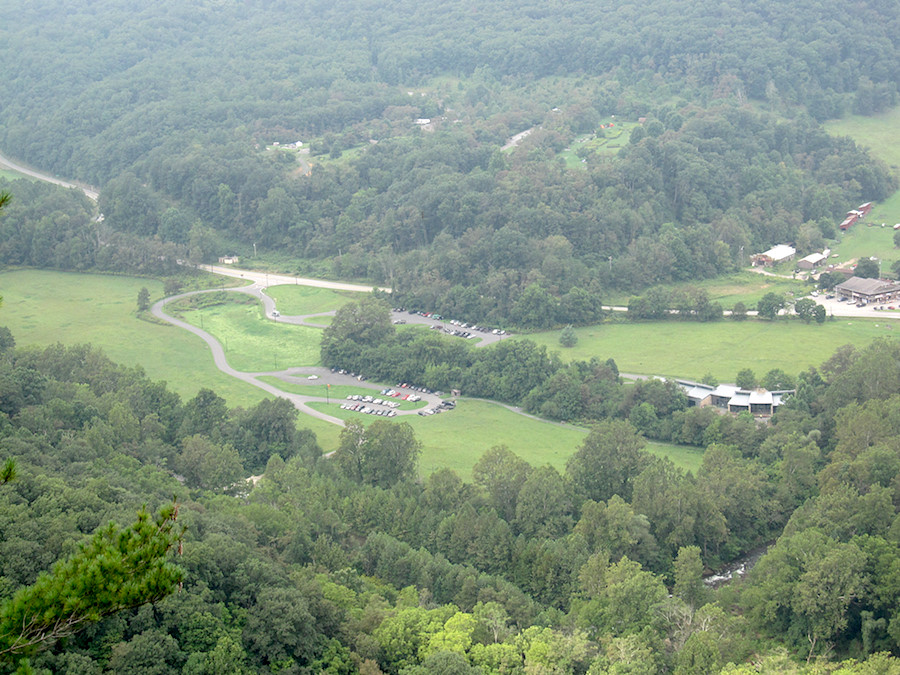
(691, 133)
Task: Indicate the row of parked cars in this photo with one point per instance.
(368, 410)
(403, 396)
(462, 329)
(372, 400)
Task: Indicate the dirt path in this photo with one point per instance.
(513, 141)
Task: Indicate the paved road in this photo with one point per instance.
(90, 193)
(266, 279)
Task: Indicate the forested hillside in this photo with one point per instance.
(707, 115)
(351, 564)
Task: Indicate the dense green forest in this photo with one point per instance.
(717, 151)
(668, 141)
(355, 564)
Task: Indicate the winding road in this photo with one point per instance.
(297, 375)
(90, 193)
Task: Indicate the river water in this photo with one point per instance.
(736, 569)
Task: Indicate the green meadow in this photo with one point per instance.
(253, 343)
(864, 241)
(881, 135)
(745, 286)
(691, 350)
(301, 300)
(458, 438)
(44, 307)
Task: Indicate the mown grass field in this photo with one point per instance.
(301, 300)
(691, 349)
(457, 439)
(747, 287)
(863, 241)
(253, 343)
(879, 133)
(45, 307)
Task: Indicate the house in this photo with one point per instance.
(864, 208)
(229, 260)
(731, 398)
(812, 261)
(775, 255)
(868, 291)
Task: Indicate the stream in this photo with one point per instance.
(736, 568)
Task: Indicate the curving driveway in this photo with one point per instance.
(296, 375)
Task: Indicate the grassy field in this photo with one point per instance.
(609, 144)
(458, 438)
(691, 350)
(254, 344)
(44, 307)
(685, 457)
(863, 241)
(9, 174)
(300, 300)
(879, 133)
(747, 287)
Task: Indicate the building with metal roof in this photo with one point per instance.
(776, 254)
(812, 261)
(857, 289)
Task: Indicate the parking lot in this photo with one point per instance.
(480, 335)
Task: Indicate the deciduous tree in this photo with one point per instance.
(381, 454)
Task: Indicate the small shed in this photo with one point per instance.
(812, 261)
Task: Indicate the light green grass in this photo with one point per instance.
(862, 241)
(253, 343)
(301, 300)
(692, 349)
(9, 174)
(44, 307)
(879, 133)
(685, 457)
(747, 287)
(610, 144)
(457, 439)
